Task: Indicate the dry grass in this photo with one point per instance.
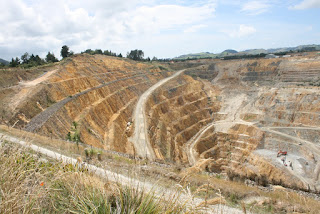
(69, 148)
(29, 184)
(235, 194)
(61, 146)
(201, 185)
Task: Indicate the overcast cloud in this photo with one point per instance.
(160, 28)
(307, 4)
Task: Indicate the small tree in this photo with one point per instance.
(51, 58)
(38, 60)
(25, 58)
(135, 55)
(89, 51)
(32, 58)
(65, 51)
(14, 62)
(106, 52)
(98, 51)
(120, 55)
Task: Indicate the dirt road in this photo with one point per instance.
(159, 191)
(233, 107)
(140, 138)
(193, 141)
(312, 146)
(40, 79)
(28, 87)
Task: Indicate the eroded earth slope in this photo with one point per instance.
(230, 117)
(251, 110)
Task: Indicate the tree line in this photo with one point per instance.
(30, 60)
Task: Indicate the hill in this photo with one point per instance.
(197, 55)
(4, 61)
(301, 48)
(230, 51)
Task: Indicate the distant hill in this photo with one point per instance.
(4, 61)
(197, 55)
(286, 49)
(230, 52)
(255, 51)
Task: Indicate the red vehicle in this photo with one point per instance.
(281, 153)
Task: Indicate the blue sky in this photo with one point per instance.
(160, 28)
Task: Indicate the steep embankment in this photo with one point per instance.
(278, 92)
(140, 138)
(177, 111)
(251, 97)
(227, 117)
(88, 98)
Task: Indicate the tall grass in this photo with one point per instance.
(30, 184)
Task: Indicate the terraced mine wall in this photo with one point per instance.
(89, 99)
(265, 106)
(177, 111)
(227, 117)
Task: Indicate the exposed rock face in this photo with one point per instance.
(220, 116)
(258, 108)
(177, 111)
(90, 96)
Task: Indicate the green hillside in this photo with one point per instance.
(231, 52)
(4, 61)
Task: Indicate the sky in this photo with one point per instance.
(160, 28)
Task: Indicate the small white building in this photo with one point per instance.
(271, 56)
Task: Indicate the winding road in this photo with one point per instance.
(192, 142)
(312, 146)
(140, 137)
(159, 191)
(233, 110)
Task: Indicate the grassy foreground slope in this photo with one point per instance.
(31, 184)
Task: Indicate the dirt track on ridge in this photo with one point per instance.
(28, 87)
(140, 138)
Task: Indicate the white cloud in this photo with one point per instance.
(255, 7)
(194, 28)
(166, 17)
(242, 31)
(41, 26)
(306, 4)
(309, 28)
(246, 30)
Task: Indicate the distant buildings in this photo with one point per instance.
(271, 56)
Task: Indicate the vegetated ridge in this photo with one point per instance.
(228, 52)
(5, 62)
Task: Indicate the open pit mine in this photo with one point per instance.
(255, 119)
